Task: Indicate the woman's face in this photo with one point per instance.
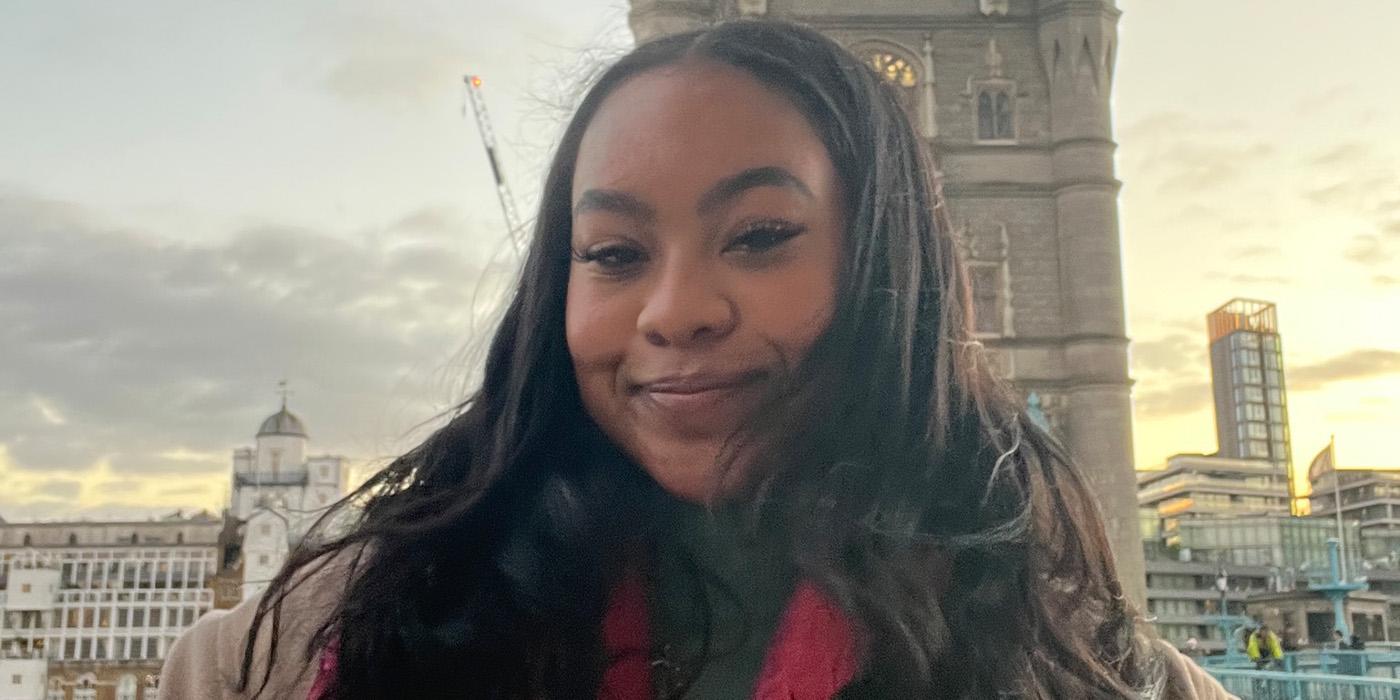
(707, 234)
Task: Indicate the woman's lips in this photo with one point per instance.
(702, 403)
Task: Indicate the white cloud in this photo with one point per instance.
(47, 410)
(141, 356)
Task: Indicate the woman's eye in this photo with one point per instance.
(611, 259)
(764, 237)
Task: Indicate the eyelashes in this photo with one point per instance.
(755, 242)
(610, 256)
(763, 236)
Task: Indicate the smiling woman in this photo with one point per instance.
(734, 440)
(707, 236)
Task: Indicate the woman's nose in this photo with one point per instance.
(686, 307)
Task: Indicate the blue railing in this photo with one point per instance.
(1283, 685)
(1379, 663)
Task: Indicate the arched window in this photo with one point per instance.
(986, 116)
(28, 540)
(1003, 116)
(897, 71)
(179, 538)
(86, 687)
(985, 248)
(994, 115)
(126, 687)
(135, 539)
(894, 69)
(987, 306)
(72, 538)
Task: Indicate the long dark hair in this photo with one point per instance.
(956, 534)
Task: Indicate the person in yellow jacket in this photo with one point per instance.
(1264, 648)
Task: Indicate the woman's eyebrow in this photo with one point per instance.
(734, 185)
(616, 202)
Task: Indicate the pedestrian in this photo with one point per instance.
(1264, 648)
(735, 438)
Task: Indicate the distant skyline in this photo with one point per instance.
(196, 202)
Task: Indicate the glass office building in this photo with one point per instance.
(1246, 361)
(1297, 544)
(1370, 497)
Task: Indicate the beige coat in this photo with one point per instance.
(205, 661)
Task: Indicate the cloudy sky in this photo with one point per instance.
(199, 199)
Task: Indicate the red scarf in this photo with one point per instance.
(812, 656)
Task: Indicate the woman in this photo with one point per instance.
(734, 440)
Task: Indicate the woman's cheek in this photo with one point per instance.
(792, 310)
(592, 319)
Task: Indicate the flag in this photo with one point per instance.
(1321, 464)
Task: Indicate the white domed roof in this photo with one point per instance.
(283, 422)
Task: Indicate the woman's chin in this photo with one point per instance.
(697, 479)
(700, 485)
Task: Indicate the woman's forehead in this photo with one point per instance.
(695, 122)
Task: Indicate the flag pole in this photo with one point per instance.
(1337, 500)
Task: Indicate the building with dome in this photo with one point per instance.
(89, 609)
(277, 494)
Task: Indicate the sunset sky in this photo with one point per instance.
(200, 199)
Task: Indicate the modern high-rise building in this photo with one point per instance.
(1246, 363)
(1015, 100)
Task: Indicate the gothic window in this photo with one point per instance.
(898, 72)
(1003, 116)
(894, 69)
(994, 115)
(984, 249)
(987, 307)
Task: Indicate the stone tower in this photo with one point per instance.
(1014, 97)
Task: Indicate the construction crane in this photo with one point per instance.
(488, 139)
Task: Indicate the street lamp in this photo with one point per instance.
(1222, 584)
(1226, 621)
